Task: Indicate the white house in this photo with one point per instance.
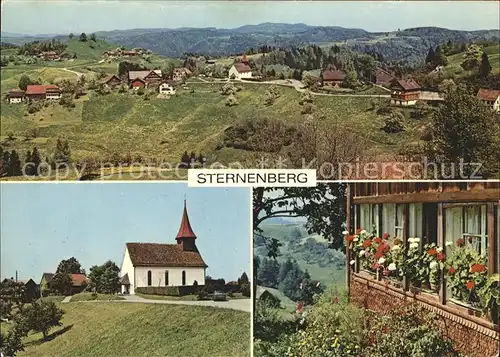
(166, 88)
(156, 264)
(240, 70)
(491, 98)
(16, 96)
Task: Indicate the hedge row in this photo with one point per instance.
(169, 290)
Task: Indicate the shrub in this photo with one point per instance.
(307, 108)
(228, 89)
(231, 101)
(394, 123)
(406, 331)
(245, 290)
(34, 106)
(202, 294)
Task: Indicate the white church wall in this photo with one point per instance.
(174, 276)
(128, 268)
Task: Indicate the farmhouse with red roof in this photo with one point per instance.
(41, 92)
(241, 70)
(160, 265)
(490, 97)
(405, 92)
(332, 78)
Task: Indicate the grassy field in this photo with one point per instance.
(118, 329)
(100, 126)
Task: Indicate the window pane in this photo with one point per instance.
(365, 217)
(388, 219)
(415, 220)
(472, 220)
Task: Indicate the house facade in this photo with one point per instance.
(79, 282)
(404, 92)
(383, 78)
(241, 70)
(112, 81)
(332, 78)
(42, 92)
(148, 77)
(166, 88)
(159, 265)
(31, 291)
(181, 73)
(491, 98)
(448, 216)
(16, 96)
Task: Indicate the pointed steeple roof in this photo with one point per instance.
(185, 230)
(244, 59)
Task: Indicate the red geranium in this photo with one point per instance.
(451, 270)
(460, 242)
(377, 240)
(349, 238)
(477, 268)
(432, 251)
(386, 248)
(358, 231)
(441, 257)
(386, 236)
(367, 243)
(470, 285)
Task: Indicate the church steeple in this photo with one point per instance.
(186, 236)
(244, 59)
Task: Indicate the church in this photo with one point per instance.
(156, 264)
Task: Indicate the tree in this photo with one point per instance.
(5, 164)
(15, 164)
(464, 128)
(24, 81)
(472, 57)
(61, 283)
(62, 153)
(485, 66)
(71, 266)
(11, 342)
(83, 37)
(431, 55)
(323, 206)
(28, 164)
(12, 295)
(243, 278)
(105, 279)
(41, 316)
(92, 37)
(71, 36)
(36, 160)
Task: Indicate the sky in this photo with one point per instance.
(45, 223)
(65, 16)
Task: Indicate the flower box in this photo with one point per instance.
(471, 309)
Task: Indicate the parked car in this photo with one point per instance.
(219, 296)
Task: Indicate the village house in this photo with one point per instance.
(16, 96)
(166, 87)
(241, 70)
(79, 282)
(332, 78)
(181, 73)
(139, 79)
(49, 56)
(405, 92)
(161, 265)
(491, 98)
(451, 216)
(31, 291)
(42, 92)
(382, 77)
(130, 53)
(112, 81)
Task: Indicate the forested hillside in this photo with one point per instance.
(304, 261)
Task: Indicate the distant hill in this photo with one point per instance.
(408, 44)
(310, 251)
